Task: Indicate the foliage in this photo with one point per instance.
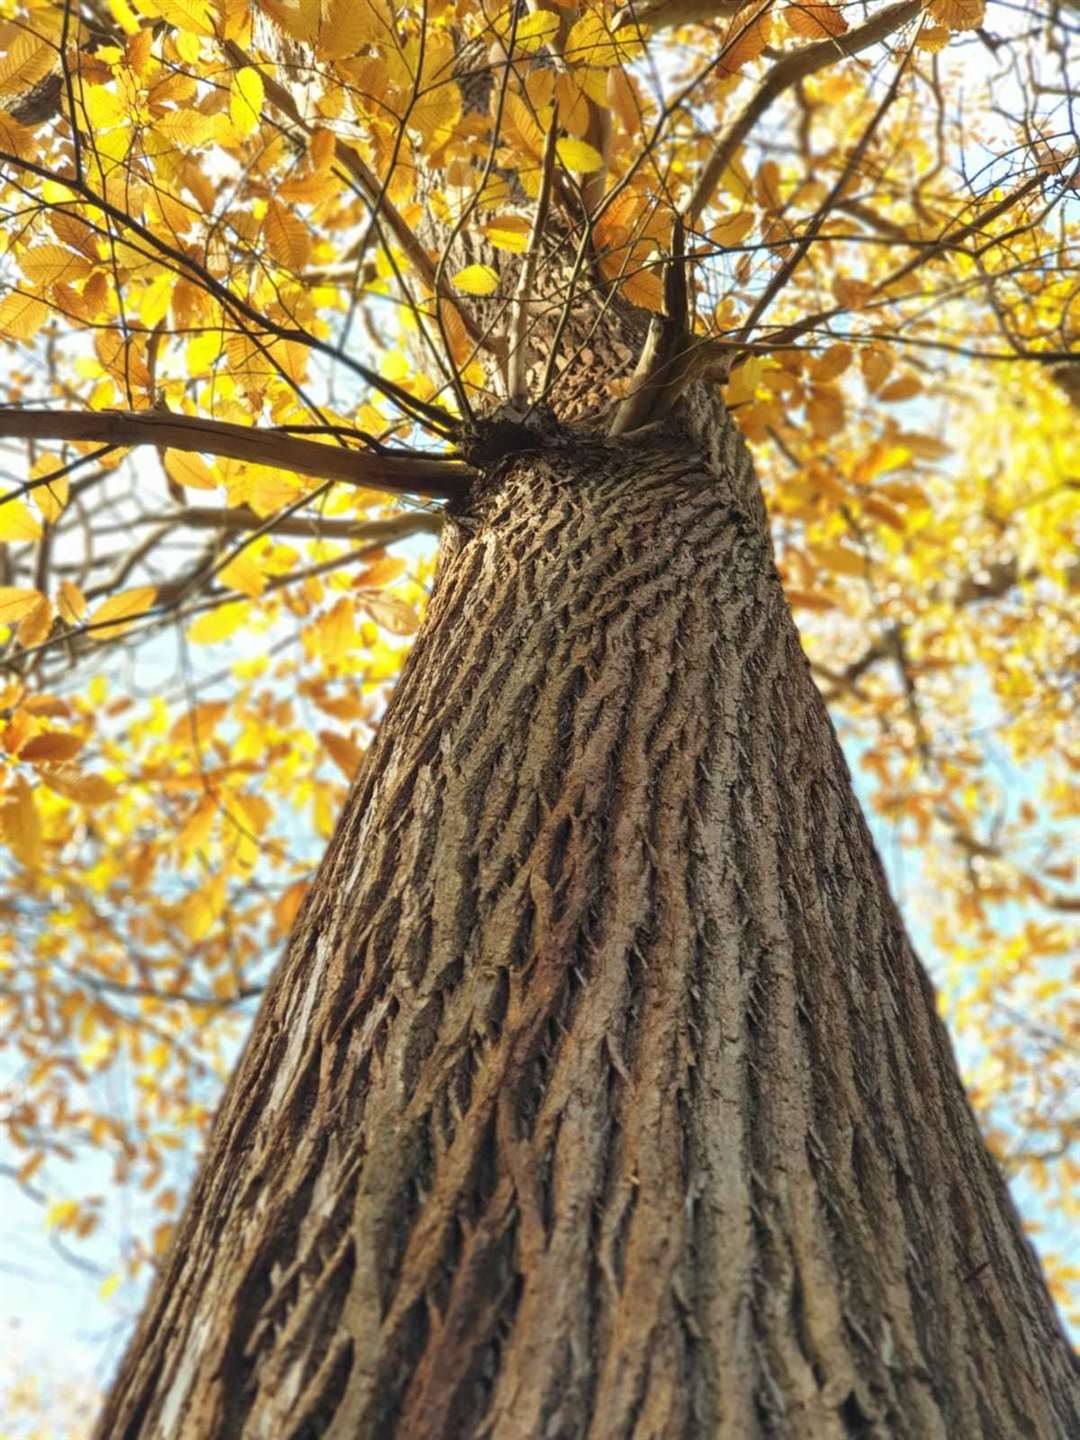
(266, 265)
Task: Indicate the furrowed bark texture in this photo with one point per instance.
(600, 1093)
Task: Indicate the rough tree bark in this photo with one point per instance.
(600, 1093)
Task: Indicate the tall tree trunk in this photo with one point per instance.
(600, 1093)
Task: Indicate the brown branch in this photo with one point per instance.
(382, 532)
(400, 474)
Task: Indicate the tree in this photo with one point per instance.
(599, 1090)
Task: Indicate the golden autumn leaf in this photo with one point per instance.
(190, 470)
(70, 602)
(22, 316)
(287, 237)
(118, 613)
(246, 99)
(16, 522)
(815, 21)
(345, 753)
(476, 280)
(509, 232)
(52, 496)
(391, 613)
(20, 823)
(958, 14)
(34, 628)
(201, 909)
(219, 623)
(579, 155)
(17, 602)
(47, 264)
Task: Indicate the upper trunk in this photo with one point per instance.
(600, 1092)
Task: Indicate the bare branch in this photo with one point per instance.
(414, 474)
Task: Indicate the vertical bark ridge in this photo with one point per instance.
(600, 1094)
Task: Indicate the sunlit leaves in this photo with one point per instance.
(815, 22)
(246, 99)
(116, 614)
(16, 521)
(958, 14)
(578, 155)
(477, 280)
(190, 470)
(287, 237)
(219, 623)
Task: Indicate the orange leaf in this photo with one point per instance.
(345, 753)
(51, 746)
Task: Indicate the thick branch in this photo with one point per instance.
(382, 532)
(400, 474)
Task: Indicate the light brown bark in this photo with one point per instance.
(600, 1093)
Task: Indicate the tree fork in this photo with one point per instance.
(600, 1093)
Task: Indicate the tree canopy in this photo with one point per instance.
(266, 272)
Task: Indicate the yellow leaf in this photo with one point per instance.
(189, 470)
(334, 634)
(287, 237)
(246, 99)
(16, 522)
(194, 16)
(16, 603)
(535, 30)
(202, 907)
(520, 126)
(477, 280)
(391, 613)
(509, 232)
(840, 559)
(345, 753)
(734, 229)
(219, 623)
(244, 573)
(60, 1214)
(35, 627)
(28, 59)
(70, 602)
(932, 38)
(20, 824)
(579, 155)
(22, 316)
(109, 1285)
(51, 497)
(46, 264)
(121, 610)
